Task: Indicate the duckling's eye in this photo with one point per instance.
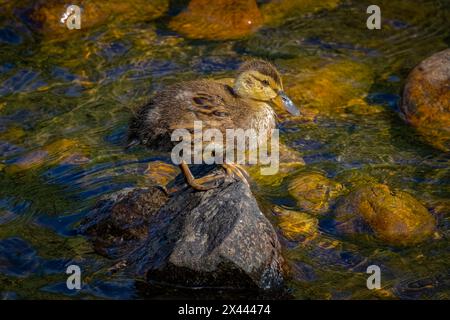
(265, 82)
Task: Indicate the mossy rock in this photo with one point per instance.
(426, 99)
(394, 217)
(218, 20)
(314, 192)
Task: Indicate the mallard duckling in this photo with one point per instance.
(248, 104)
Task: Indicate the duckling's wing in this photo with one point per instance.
(178, 107)
(208, 102)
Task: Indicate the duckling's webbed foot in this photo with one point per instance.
(236, 170)
(199, 183)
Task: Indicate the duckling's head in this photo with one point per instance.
(259, 80)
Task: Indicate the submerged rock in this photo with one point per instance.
(217, 238)
(426, 99)
(289, 161)
(329, 87)
(47, 15)
(314, 192)
(395, 217)
(296, 225)
(218, 20)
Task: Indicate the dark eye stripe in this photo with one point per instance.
(265, 82)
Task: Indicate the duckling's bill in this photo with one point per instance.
(283, 100)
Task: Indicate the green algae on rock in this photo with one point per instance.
(218, 20)
(314, 192)
(395, 217)
(426, 99)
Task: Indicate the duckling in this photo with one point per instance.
(248, 104)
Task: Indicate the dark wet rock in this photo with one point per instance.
(217, 238)
(426, 99)
(395, 217)
(120, 221)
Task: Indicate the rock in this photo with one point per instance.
(314, 192)
(328, 86)
(218, 20)
(217, 238)
(296, 225)
(47, 14)
(120, 221)
(289, 161)
(395, 217)
(426, 99)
